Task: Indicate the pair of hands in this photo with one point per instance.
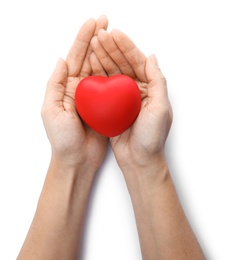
(97, 52)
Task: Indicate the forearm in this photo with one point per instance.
(56, 230)
(164, 230)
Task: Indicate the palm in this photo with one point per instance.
(134, 138)
(69, 136)
(113, 61)
(93, 144)
(118, 54)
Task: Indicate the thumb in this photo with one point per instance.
(157, 86)
(57, 83)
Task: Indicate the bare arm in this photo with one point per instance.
(163, 228)
(77, 152)
(56, 230)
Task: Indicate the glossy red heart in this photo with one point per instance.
(109, 105)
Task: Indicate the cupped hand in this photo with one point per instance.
(145, 140)
(71, 140)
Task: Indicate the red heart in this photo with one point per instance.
(109, 105)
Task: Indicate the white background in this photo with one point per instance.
(189, 40)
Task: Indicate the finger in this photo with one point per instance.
(157, 87)
(114, 52)
(101, 23)
(96, 65)
(57, 83)
(134, 56)
(77, 53)
(108, 64)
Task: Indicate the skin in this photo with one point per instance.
(77, 153)
(164, 231)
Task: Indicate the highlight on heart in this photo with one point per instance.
(108, 105)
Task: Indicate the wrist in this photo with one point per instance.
(67, 181)
(151, 173)
(73, 169)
